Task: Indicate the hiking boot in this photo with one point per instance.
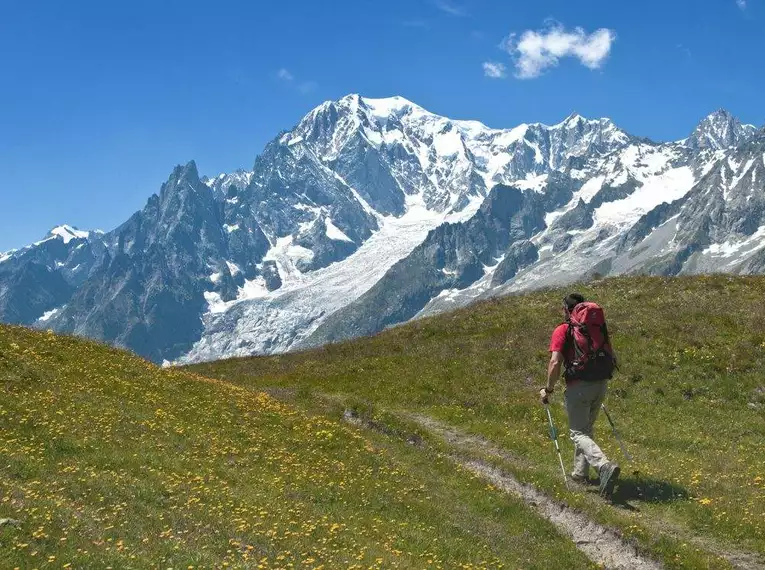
(584, 480)
(581, 479)
(609, 473)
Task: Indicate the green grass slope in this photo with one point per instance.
(108, 461)
(689, 400)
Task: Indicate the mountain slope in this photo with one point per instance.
(453, 256)
(691, 353)
(352, 208)
(109, 461)
(615, 219)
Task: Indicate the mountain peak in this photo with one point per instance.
(185, 173)
(388, 106)
(719, 130)
(719, 114)
(378, 108)
(67, 233)
(182, 179)
(189, 170)
(573, 120)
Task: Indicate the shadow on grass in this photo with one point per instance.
(643, 489)
(648, 490)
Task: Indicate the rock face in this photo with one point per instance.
(371, 212)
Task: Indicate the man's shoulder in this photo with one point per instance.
(558, 338)
(560, 329)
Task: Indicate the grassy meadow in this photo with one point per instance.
(107, 461)
(689, 401)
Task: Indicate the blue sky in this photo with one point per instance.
(98, 100)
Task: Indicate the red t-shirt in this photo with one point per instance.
(558, 342)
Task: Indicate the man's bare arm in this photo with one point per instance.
(553, 370)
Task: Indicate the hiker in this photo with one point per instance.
(582, 348)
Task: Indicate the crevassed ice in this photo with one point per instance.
(292, 312)
(253, 289)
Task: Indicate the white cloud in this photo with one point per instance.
(494, 70)
(741, 4)
(307, 86)
(450, 8)
(535, 51)
(685, 50)
(289, 79)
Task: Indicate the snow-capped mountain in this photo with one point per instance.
(718, 131)
(37, 280)
(371, 212)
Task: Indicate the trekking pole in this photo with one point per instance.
(554, 437)
(616, 433)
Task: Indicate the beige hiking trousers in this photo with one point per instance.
(583, 400)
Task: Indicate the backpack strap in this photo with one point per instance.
(604, 328)
(570, 342)
(586, 334)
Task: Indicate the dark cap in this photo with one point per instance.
(572, 300)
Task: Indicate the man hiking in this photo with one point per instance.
(582, 348)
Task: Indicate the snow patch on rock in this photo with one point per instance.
(48, 315)
(745, 246)
(335, 233)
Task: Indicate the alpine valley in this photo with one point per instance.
(373, 212)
